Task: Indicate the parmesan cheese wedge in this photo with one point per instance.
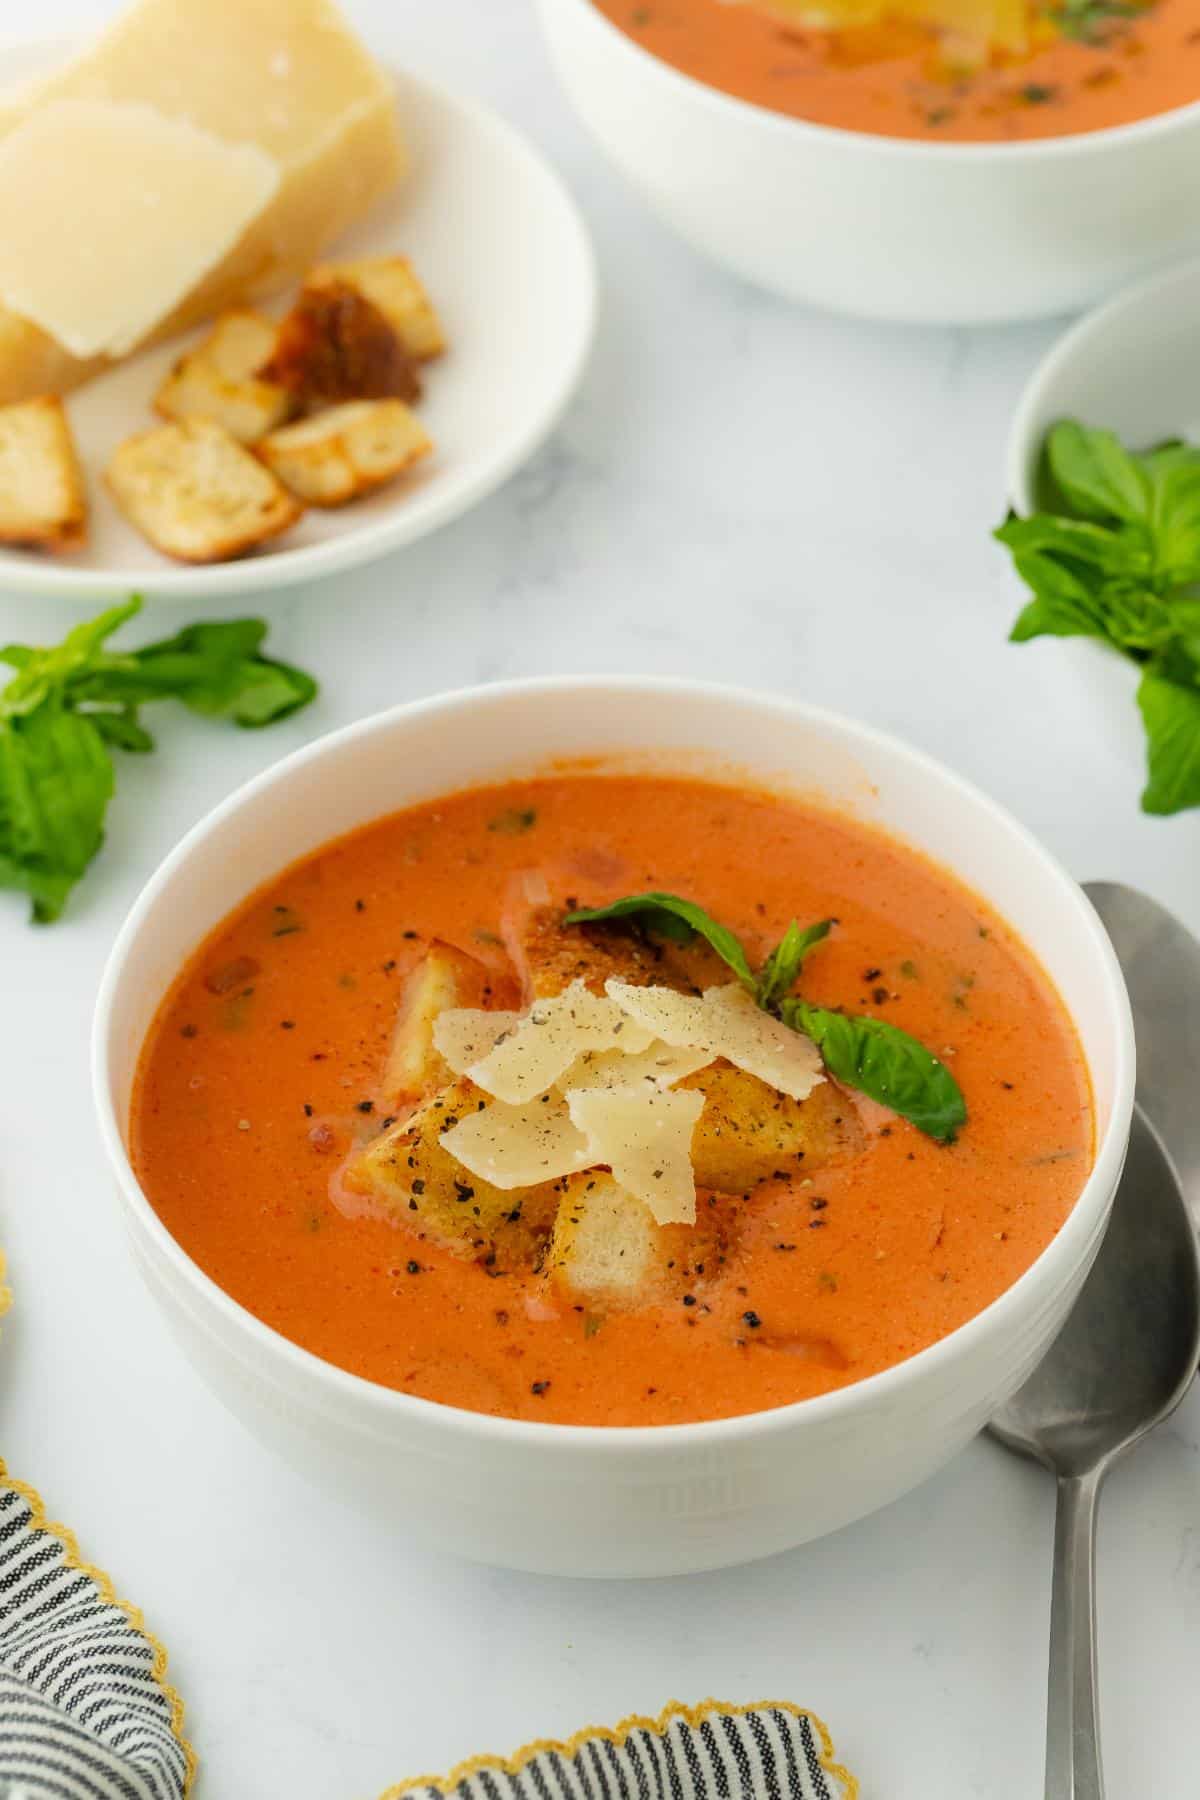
(92, 197)
(645, 1137)
(519, 1146)
(464, 1035)
(531, 1057)
(725, 1022)
(661, 1066)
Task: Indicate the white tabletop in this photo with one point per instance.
(747, 491)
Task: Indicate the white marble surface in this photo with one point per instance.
(743, 491)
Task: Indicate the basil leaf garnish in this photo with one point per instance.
(667, 916)
(781, 968)
(885, 1063)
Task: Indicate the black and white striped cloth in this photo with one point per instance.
(86, 1712)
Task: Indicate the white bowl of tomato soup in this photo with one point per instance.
(848, 178)
(827, 1338)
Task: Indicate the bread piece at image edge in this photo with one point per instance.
(197, 494)
(219, 379)
(392, 287)
(43, 502)
(337, 455)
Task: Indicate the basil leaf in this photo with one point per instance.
(56, 781)
(887, 1064)
(667, 916)
(1079, 544)
(1169, 699)
(1096, 475)
(1175, 516)
(215, 669)
(781, 968)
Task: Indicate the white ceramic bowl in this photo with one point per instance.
(1132, 366)
(934, 233)
(613, 1501)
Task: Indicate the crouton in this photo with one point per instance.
(43, 502)
(335, 345)
(607, 1250)
(347, 451)
(219, 380)
(550, 956)
(444, 977)
(389, 283)
(197, 494)
(409, 1176)
(749, 1132)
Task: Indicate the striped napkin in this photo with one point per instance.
(87, 1713)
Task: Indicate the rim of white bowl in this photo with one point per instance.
(393, 531)
(1067, 1245)
(1075, 143)
(1018, 454)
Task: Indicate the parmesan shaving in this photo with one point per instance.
(547, 1039)
(463, 1035)
(644, 1136)
(661, 1066)
(519, 1146)
(726, 1022)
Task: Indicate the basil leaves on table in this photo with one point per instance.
(1115, 556)
(65, 707)
(875, 1058)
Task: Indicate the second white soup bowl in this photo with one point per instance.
(889, 228)
(657, 1500)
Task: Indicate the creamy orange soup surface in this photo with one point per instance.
(261, 1075)
(1089, 64)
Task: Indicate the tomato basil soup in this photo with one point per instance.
(263, 1095)
(1088, 64)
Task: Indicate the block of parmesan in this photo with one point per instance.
(87, 187)
(284, 77)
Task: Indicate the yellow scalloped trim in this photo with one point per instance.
(66, 1538)
(694, 1715)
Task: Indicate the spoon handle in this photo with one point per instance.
(1073, 1769)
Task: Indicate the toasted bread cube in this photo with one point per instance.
(337, 455)
(390, 284)
(444, 977)
(606, 1247)
(197, 494)
(410, 1178)
(336, 345)
(43, 502)
(219, 380)
(749, 1132)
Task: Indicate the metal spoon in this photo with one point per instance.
(1123, 1362)
(1161, 962)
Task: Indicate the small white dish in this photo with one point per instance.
(904, 230)
(613, 1501)
(500, 245)
(1133, 367)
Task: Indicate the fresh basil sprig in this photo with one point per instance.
(867, 1054)
(67, 706)
(1116, 556)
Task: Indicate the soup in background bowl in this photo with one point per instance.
(862, 172)
(823, 1335)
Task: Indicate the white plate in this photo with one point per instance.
(500, 246)
(1132, 366)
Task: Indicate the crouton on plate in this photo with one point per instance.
(197, 494)
(335, 345)
(389, 283)
(43, 502)
(219, 379)
(337, 455)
